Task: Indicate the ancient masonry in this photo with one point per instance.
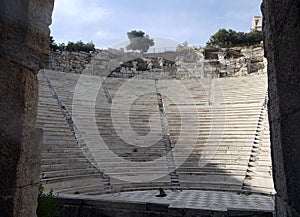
(72, 62)
(186, 63)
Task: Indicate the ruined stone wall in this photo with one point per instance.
(282, 44)
(70, 62)
(23, 51)
(237, 62)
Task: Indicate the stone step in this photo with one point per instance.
(147, 169)
(66, 173)
(68, 136)
(67, 146)
(49, 155)
(62, 167)
(211, 178)
(233, 173)
(225, 161)
(147, 186)
(72, 182)
(41, 118)
(212, 167)
(213, 186)
(88, 189)
(103, 164)
(223, 122)
(133, 173)
(76, 178)
(54, 149)
(60, 142)
(57, 131)
(66, 160)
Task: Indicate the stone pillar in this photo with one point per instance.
(24, 49)
(281, 26)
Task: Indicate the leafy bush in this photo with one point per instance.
(48, 205)
(80, 46)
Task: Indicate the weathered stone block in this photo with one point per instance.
(22, 24)
(281, 41)
(28, 172)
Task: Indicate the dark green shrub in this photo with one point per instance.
(80, 46)
(72, 46)
(48, 204)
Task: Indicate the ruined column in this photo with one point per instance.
(24, 49)
(281, 26)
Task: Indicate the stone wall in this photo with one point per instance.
(23, 51)
(282, 44)
(237, 62)
(191, 63)
(72, 62)
(75, 206)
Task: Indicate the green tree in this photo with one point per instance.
(229, 38)
(139, 41)
(219, 39)
(254, 37)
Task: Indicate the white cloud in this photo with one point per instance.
(79, 11)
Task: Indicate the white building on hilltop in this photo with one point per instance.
(257, 23)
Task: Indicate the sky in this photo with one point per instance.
(169, 22)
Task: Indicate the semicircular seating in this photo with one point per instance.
(141, 134)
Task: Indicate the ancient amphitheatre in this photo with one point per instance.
(24, 51)
(120, 138)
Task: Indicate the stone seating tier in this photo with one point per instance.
(238, 113)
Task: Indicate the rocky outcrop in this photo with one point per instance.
(24, 49)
